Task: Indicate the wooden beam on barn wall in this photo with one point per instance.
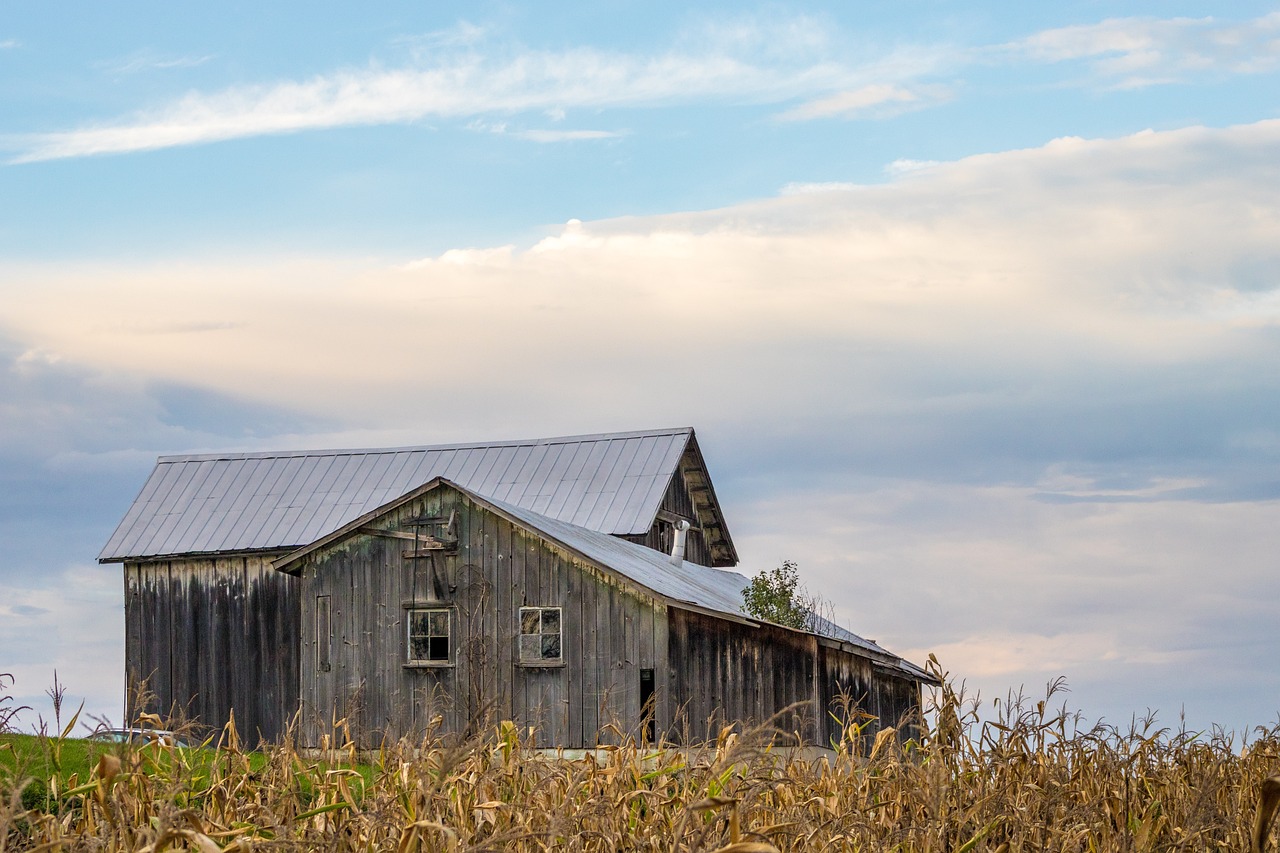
(815, 690)
(662, 680)
(674, 517)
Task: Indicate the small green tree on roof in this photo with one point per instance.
(776, 595)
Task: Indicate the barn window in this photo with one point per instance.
(430, 640)
(540, 635)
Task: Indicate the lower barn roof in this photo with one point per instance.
(689, 583)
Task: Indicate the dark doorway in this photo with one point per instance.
(648, 725)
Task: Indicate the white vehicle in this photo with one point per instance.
(139, 736)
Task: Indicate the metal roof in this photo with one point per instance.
(698, 586)
(612, 483)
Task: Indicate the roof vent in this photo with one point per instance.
(677, 548)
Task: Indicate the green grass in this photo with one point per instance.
(47, 767)
(31, 755)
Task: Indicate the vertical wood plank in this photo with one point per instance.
(558, 697)
(243, 675)
(662, 683)
(132, 635)
(623, 644)
(574, 644)
(308, 660)
(644, 656)
(590, 662)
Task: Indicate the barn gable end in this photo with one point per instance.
(359, 587)
(691, 497)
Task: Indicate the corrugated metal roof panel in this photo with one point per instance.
(211, 515)
(711, 589)
(172, 501)
(699, 586)
(266, 501)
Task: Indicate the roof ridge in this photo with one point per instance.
(370, 451)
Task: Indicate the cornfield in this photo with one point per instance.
(1032, 777)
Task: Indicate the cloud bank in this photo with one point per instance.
(1143, 254)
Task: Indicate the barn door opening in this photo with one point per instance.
(648, 725)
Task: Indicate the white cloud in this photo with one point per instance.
(1134, 52)
(10, 44)
(457, 79)
(567, 135)
(461, 34)
(1098, 250)
(502, 128)
(497, 256)
(802, 187)
(141, 61)
(903, 167)
(855, 103)
(482, 126)
(1007, 590)
(462, 73)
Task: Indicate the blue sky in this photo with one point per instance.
(974, 306)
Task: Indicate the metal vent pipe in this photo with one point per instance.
(677, 547)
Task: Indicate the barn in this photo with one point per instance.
(577, 585)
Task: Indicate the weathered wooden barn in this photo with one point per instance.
(571, 584)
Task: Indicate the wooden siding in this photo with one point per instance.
(724, 672)
(209, 636)
(897, 703)
(609, 633)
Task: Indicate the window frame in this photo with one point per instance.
(542, 662)
(417, 663)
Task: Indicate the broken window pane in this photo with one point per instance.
(540, 634)
(439, 623)
(529, 620)
(430, 636)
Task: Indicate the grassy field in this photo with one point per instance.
(1034, 778)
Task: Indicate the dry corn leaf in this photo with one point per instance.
(1268, 802)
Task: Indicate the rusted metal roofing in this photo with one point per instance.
(611, 483)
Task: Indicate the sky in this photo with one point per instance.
(974, 306)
